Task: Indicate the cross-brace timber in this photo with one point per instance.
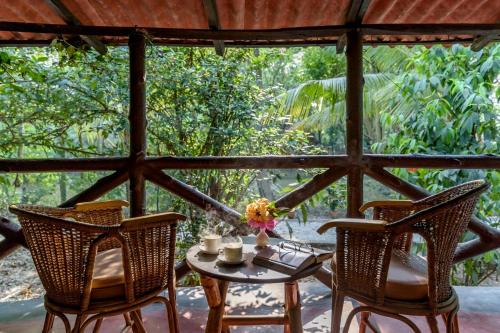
(307, 190)
(101, 187)
(14, 237)
(489, 237)
(197, 198)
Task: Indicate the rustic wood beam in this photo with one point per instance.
(481, 41)
(137, 122)
(487, 161)
(181, 269)
(354, 122)
(489, 237)
(307, 190)
(197, 198)
(12, 231)
(101, 187)
(430, 29)
(213, 23)
(7, 246)
(354, 16)
(254, 162)
(14, 237)
(356, 11)
(254, 44)
(201, 35)
(248, 162)
(68, 17)
(62, 164)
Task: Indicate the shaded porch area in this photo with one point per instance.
(479, 311)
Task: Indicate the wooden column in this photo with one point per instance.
(137, 121)
(354, 122)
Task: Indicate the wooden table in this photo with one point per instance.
(215, 278)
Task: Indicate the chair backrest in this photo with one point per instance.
(442, 225)
(63, 251)
(149, 253)
(105, 215)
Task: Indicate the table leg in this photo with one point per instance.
(215, 291)
(292, 308)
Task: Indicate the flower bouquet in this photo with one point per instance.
(262, 214)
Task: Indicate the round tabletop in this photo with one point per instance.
(247, 272)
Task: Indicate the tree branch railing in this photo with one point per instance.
(337, 167)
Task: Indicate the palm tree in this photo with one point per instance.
(320, 104)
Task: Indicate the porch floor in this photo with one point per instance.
(480, 311)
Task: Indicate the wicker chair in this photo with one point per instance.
(373, 263)
(95, 264)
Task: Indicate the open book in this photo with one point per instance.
(289, 257)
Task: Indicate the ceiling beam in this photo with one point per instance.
(213, 23)
(60, 8)
(266, 36)
(354, 16)
(481, 41)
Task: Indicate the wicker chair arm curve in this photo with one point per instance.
(386, 203)
(152, 220)
(405, 224)
(354, 224)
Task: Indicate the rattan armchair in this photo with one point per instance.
(95, 264)
(374, 265)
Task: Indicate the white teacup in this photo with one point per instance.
(211, 243)
(233, 252)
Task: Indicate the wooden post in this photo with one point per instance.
(137, 120)
(354, 122)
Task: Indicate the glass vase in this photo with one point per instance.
(262, 239)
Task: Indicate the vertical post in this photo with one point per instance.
(137, 122)
(354, 122)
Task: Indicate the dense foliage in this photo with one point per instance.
(66, 102)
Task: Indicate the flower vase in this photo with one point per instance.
(262, 238)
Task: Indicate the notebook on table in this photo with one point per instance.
(290, 257)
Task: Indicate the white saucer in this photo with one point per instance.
(223, 260)
(204, 250)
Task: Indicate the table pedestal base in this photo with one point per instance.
(216, 291)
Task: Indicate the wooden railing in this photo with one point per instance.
(152, 169)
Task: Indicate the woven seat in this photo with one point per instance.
(406, 279)
(373, 263)
(95, 264)
(108, 281)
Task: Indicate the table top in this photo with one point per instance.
(246, 272)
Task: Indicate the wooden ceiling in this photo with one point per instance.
(249, 22)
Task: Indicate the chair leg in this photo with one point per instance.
(49, 322)
(97, 325)
(363, 321)
(138, 322)
(433, 325)
(173, 305)
(451, 321)
(337, 306)
(78, 322)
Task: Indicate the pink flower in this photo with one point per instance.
(269, 224)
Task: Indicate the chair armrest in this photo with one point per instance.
(386, 203)
(355, 224)
(96, 205)
(141, 221)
